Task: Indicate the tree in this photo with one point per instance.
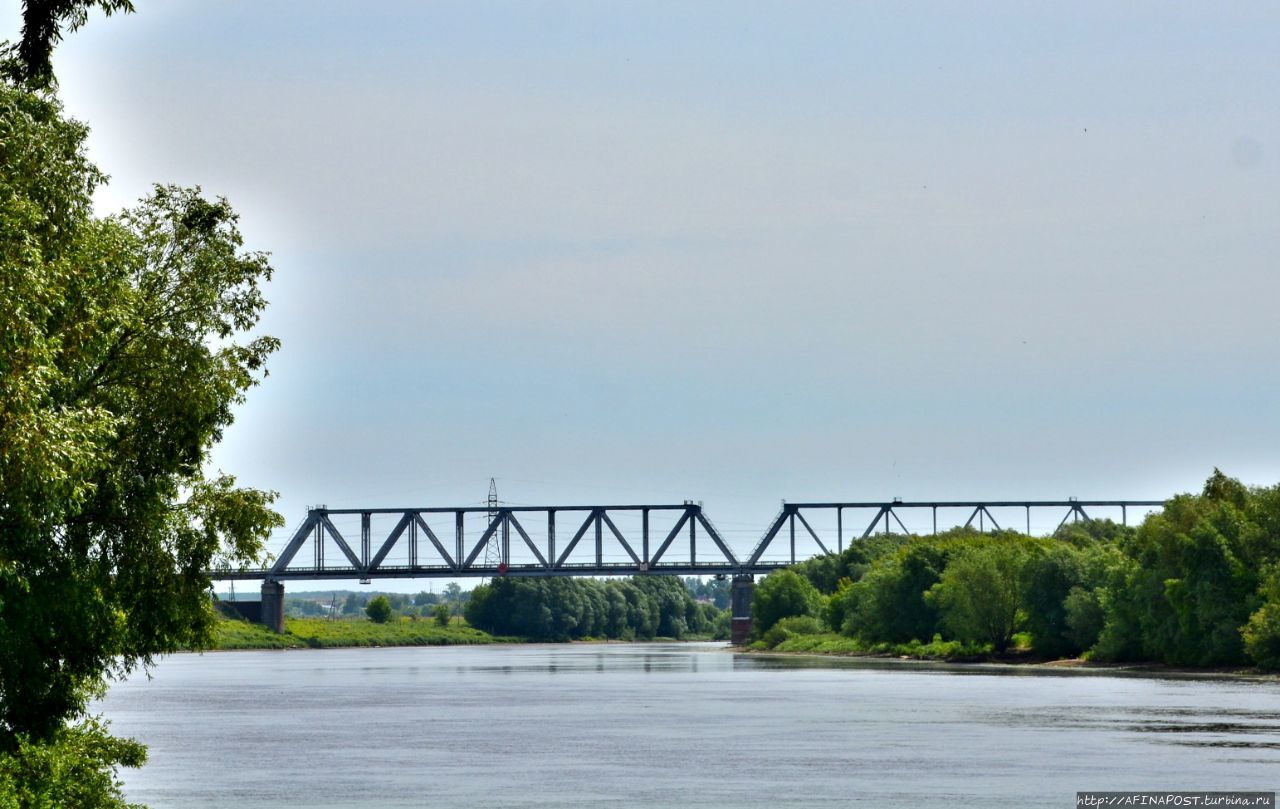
(1048, 580)
(888, 604)
(42, 22)
(980, 593)
(441, 613)
(781, 594)
(122, 355)
(379, 609)
(351, 604)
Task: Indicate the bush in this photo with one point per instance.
(888, 604)
(379, 610)
(782, 594)
(791, 627)
(980, 593)
(441, 613)
(1262, 633)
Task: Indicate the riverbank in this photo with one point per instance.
(320, 633)
(234, 634)
(951, 653)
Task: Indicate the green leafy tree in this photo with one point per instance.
(123, 352)
(379, 609)
(1193, 579)
(1048, 579)
(1262, 632)
(42, 25)
(351, 604)
(781, 594)
(888, 604)
(441, 613)
(980, 593)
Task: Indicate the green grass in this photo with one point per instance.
(237, 633)
(320, 633)
(832, 643)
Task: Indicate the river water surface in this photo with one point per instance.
(672, 725)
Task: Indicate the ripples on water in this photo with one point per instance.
(673, 725)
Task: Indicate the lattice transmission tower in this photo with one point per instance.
(493, 548)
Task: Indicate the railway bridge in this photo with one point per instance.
(614, 540)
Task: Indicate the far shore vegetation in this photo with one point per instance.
(1196, 585)
(504, 611)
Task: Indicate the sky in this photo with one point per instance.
(725, 252)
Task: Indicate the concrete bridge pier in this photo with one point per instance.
(740, 606)
(272, 606)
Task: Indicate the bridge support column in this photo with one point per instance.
(272, 608)
(740, 604)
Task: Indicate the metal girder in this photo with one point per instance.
(591, 518)
(511, 520)
(390, 541)
(715, 537)
(296, 542)
(769, 534)
(630, 551)
(553, 561)
(484, 540)
(666, 543)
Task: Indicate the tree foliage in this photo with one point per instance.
(782, 594)
(43, 22)
(123, 351)
(565, 608)
(980, 592)
(441, 613)
(379, 609)
(888, 603)
(1195, 584)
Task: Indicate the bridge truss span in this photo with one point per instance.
(626, 540)
(887, 517)
(610, 540)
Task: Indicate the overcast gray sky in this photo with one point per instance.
(730, 252)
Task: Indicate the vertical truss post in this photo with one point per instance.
(599, 539)
(506, 539)
(551, 533)
(693, 540)
(413, 543)
(792, 523)
(457, 536)
(839, 530)
(1028, 520)
(319, 545)
(364, 540)
(935, 521)
(644, 533)
(1124, 514)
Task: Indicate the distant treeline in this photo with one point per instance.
(570, 608)
(1195, 585)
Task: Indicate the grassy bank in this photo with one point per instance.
(832, 643)
(319, 633)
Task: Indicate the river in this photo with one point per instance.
(690, 725)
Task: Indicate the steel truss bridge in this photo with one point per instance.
(658, 539)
